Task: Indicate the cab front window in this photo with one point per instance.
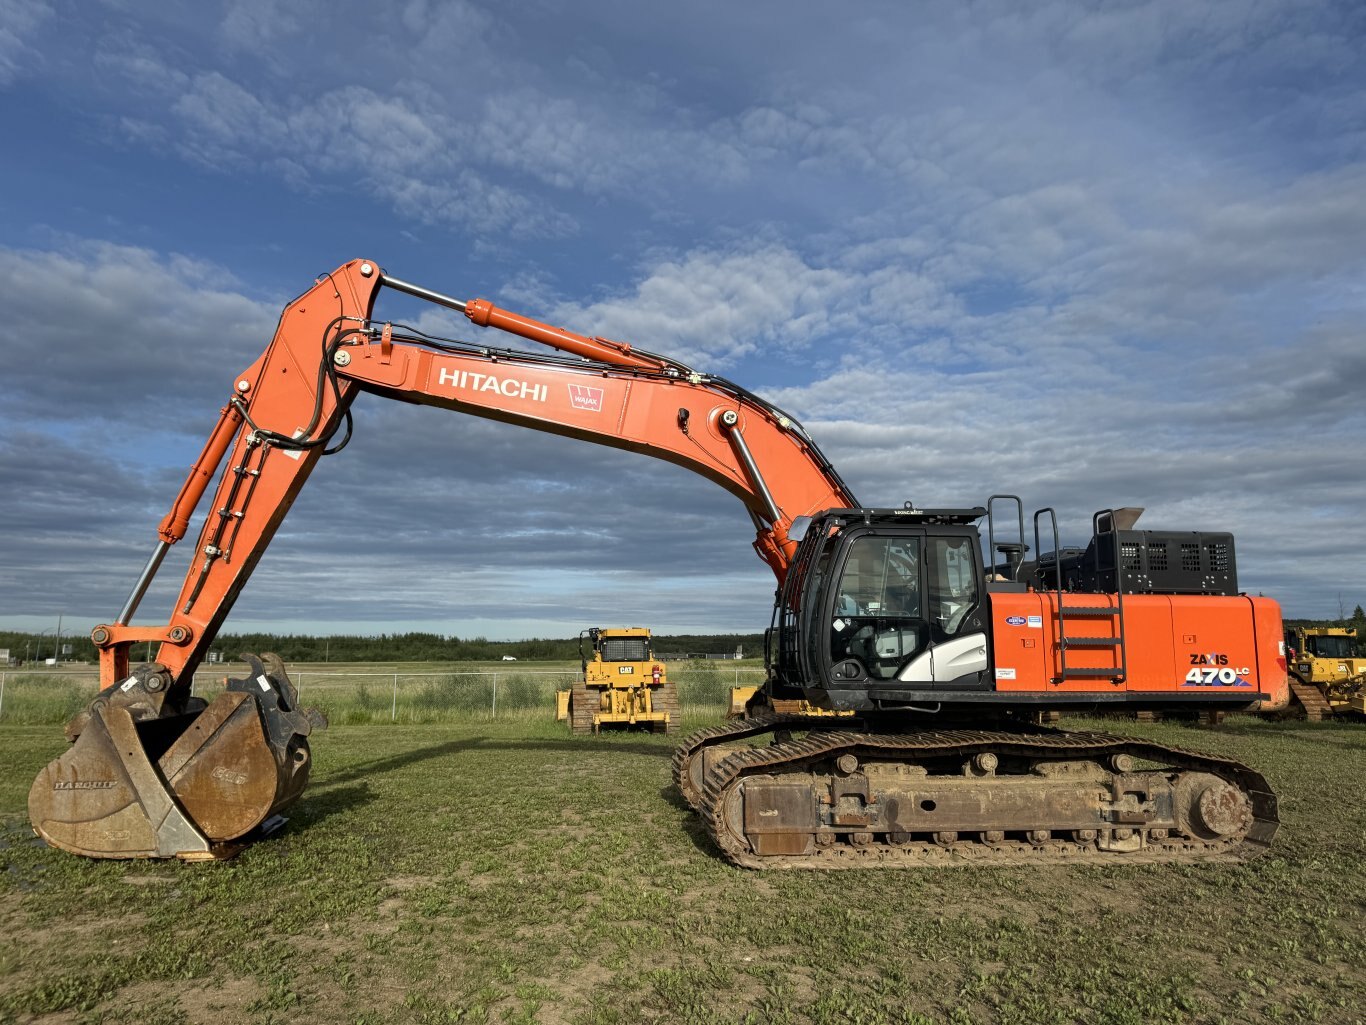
(878, 618)
(1330, 646)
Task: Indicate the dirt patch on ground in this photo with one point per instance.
(393, 906)
(220, 1001)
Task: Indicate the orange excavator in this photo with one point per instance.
(945, 655)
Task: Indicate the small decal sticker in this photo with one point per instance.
(1036, 622)
(1015, 620)
(295, 453)
(129, 684)
(1005, 674)
(264, 683)
(626, 670)
(582, 396)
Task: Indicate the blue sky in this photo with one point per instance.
(1094, 254)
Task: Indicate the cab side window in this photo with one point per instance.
(952, 586)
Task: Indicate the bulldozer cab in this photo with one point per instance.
(624, 645)
(1312, 643)
(1330, 645)
(628, 644)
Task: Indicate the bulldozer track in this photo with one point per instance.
(582, 704)
(723, 779)
(667, 697)
(1311, 699)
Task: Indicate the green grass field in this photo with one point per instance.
(498, 870)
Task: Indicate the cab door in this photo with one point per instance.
(957, 652)
(876, 612)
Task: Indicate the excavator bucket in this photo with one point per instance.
(147, 779)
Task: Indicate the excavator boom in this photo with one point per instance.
(285, 409)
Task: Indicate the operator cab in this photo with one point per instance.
(1341, 645)
(623, 644)
(884, 596)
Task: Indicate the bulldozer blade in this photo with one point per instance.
(193, 786)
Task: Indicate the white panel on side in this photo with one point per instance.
(919, 670)
(948, 660)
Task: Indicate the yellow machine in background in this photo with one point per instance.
(623, 685)
(1326, 674)
(746, 701)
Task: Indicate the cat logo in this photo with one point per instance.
(225, 775)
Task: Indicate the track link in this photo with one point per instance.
(802, 773)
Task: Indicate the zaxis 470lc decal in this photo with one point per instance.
(1214, 671)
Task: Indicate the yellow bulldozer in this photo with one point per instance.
(1326, 675)
(624, 686)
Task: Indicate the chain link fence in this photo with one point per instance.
(350, 697)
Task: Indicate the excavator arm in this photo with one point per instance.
(156, 772)
(288, 408)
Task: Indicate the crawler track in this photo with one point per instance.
(666, 700)
(1054, 776)
(583, 703)
(687, 759)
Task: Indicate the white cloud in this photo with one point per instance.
(709, 309)
(102, 329)
(253, 24)
(20, 20)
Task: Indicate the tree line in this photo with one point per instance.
(396, 647)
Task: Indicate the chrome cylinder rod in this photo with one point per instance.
(140, 588)
(422, 293)
(729, 423)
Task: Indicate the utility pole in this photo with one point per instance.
(57, 646)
